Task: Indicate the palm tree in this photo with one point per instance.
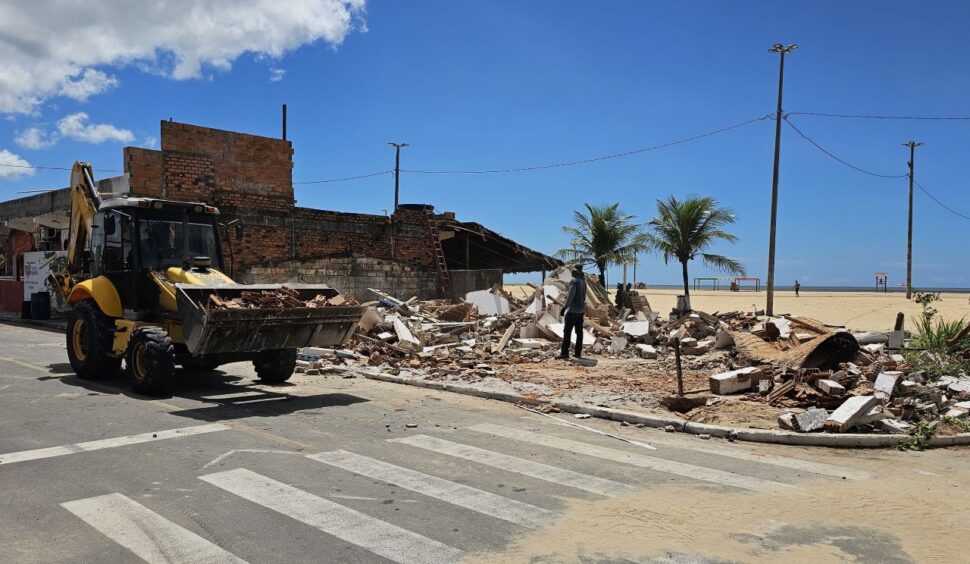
(683, 229)
(605, 236)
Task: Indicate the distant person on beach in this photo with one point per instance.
(618, 300)
(573, 313)
(797, 288)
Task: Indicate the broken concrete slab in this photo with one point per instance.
(559, 329)
(811, 420)
(885, 385)
(618, 344)
(787, 421)
(488, 303)
(532, 343)
(733, 381)
(850, 412)
(895, 426)
(406, 339)
(636, 328)
(646, 351)
(830, 387)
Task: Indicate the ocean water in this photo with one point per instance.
(788, 288)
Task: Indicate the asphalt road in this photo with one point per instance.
(329, 469)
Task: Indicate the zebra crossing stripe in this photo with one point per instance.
(653, 463)
(529, 468)
(487, 503)
(372, 534)
(49, 452)
(150, 536)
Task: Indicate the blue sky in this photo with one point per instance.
(484, 85)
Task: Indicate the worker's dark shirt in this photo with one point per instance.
(576, 298)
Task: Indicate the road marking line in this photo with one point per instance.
(11, 457)
(636, 459)
(501, 461)
(487, 503)
(149, 535)
(381, 538)
(251, 394)
(741, 453)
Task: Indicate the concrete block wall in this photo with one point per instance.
(351, 275)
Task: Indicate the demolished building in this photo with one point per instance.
(415, 251)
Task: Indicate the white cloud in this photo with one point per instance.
(75, 126)
(276, 75)
(150, 142)
(13, 166)
(88, 83)
(61, 51)
(35, 138)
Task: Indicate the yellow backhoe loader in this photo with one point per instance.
(139, 276)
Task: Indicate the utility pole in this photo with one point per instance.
(909, 233)
(782, 50)
(397, 169)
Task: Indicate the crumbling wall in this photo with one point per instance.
(250, 178)
(350, 274)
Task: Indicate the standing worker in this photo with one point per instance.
(797, 288)
(573, 313)
(618, 300)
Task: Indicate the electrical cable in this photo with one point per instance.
(846, 163)
(42, 167)
(594, 159)
(862, 116)
(345, 178)
(942, 205)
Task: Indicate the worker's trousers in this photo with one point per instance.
(574, 321)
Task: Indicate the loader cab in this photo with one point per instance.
(132, 237)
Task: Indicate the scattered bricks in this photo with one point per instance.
(830, 387)
(850, 412)
(811, 420)
(733, 381)
(646, 351)
(787, 421)
(886, 384)
(895, 426)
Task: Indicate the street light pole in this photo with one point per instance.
(781, 50)
(909, 233)
(397, 170)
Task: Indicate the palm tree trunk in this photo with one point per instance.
(602, 268)
(683, 265)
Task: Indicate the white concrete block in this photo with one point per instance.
(830, 387)
(733, 381)
(851, 411)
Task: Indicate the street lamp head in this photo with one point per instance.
(779, 48)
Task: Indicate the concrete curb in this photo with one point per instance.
(52, 325)
(844, 440)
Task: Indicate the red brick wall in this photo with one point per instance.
(250, 178)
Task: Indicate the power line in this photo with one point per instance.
(863, 116)
(594, 159)
(41, 167)
(345, 178)
(942, 205)
(830, 154)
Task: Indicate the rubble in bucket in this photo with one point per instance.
(276, 298)
(807, 375)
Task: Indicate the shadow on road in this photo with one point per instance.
(226, 398)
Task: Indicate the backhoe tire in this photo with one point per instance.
(150, 361)
(275, 367)
(90, 336)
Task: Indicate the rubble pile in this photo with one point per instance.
(279, 298)
(815, 377)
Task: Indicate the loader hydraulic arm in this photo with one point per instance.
(85, 201)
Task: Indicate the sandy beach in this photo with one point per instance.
(864, 311)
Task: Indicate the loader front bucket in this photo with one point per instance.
(207, 330)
